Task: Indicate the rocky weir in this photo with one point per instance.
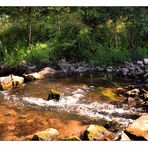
(86, 107)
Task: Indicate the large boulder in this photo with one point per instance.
(48, 71)
(139, 129)
(40, 75)
(32, 76)
(10, 81)
(49, 134)
(100, 133)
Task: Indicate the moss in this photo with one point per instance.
(54, 95)
(108, 92)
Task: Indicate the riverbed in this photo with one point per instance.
(83, 101)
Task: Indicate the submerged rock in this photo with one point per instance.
(139, 129)
(114, 126)
(49, 134)
(96, 132)
(54, 95)
(10, 81)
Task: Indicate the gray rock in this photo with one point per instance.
(145, 61)
(138, 71)
(109, 69)
(146, 68)
(124, 71)
(140, 63)
(145, 76)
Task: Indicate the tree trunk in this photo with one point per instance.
(58, 20)
(29, 25)
(134, 50)
(115, 36)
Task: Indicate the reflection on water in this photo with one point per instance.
(26, 111)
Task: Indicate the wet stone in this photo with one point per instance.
(98, 133)
(124, 137)
(54, 95)
(134, 92)
(114, 126)
(46, 135)
(10, 81)
(139, 129)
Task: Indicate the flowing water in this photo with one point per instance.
(83, 101)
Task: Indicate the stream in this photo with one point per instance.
(83, 101)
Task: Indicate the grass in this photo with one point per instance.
(51, 51)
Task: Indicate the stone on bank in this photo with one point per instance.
(10, 81)
(49, 134)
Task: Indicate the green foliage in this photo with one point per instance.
(103, 35)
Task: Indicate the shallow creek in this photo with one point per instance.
(83, 101)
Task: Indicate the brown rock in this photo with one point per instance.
(131, 101)
(47, 72)
(10, 81)
(46, 135)
(139, 128)
(39, 75)
(100, 133)
(32, 76)
(133, 92)
(124, 137)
